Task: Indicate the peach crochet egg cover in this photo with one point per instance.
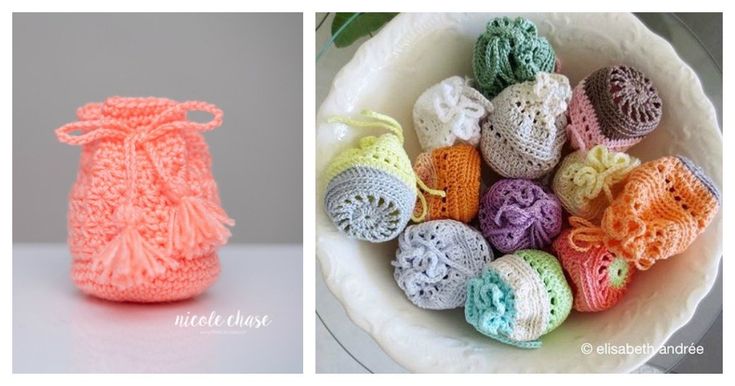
(144, 216)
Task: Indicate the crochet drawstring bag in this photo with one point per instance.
(585, 181)
(454, 170)
(518, 214)
(615, 106)
(519, 298)
(370, 190)
(509, 51)
(144, 214)
(435, 259)
(664, 205)
(599, 278)
(524, 135)
(449, 112)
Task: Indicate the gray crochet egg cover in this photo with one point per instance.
(435, 260)
(369, 204)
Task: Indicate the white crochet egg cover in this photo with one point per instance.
(524, 135)
(449, 112)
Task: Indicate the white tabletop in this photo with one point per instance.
(58, 329)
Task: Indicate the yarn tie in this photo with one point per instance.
(584, 235)
(592, 181)
(128, 259)
(394, 128)
(452, 105)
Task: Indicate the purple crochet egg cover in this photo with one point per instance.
(519, 214)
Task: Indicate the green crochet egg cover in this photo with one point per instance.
(552, 275)
(508, 52)
(617, 272)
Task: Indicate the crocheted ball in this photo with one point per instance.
(449, 112)
(517, 214)
(456, 171)
(585, 181)
(508, 52)
(615, 106)
(518, 298)
(664, 205)
(370, 191)
(434, 261)
(599, 279)
(524, 135)
(144, 213)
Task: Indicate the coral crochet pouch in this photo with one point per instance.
(144, 213)
(665, 204)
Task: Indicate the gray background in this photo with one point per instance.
(250, 65)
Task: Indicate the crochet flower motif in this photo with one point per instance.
(519, 214)
(423, 265)
(600, 170)
(489, 304)
(454, 107)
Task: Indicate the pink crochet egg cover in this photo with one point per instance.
(144, 214)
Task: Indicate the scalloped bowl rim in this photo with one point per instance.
(329, 264)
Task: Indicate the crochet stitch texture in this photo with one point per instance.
(585, 181)
(435, 259)
(370, 190)
(615, 106)
(517, 214)
(599, 278)
(144, 213)
(508, 52)
(664, 205)
(518, 298)
(455, 170)
(449, 112)
(524, 135)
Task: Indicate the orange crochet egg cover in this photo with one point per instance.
(456, 171)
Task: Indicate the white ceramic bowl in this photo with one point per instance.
(414, 51)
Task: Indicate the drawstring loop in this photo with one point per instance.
(584, 234)
(391, 125)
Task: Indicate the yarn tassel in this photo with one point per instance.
(197, 222)
(128, 259)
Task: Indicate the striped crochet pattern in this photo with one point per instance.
(144, 213)
(455, 170)
(598, 277)
(517, 214)
(664, 205)
(524, 135)
(509, 51)
(585, 181)
(519, 298)
(370, 190)
(615, 106)
(434, 261)
(449, 112)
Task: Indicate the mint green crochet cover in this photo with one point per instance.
(493, 313)
(552, 275)
(508, 52)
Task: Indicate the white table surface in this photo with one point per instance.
(58, 329)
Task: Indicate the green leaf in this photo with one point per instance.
(360, 24)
